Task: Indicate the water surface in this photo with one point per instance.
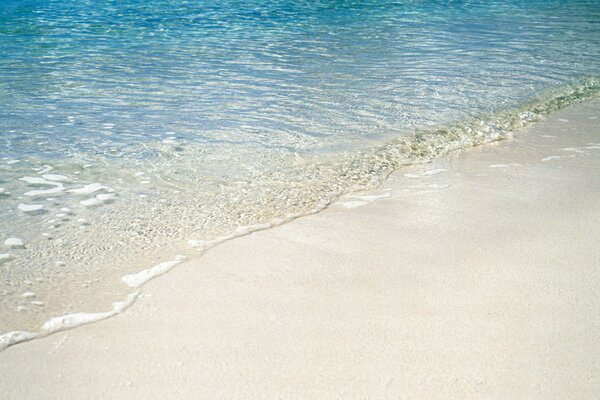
(129, 128)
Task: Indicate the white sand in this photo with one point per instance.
(469, 281)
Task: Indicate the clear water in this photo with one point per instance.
(197, 118)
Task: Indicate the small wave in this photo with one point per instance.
(128, 233)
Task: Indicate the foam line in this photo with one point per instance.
(139, 278)
(64, 322)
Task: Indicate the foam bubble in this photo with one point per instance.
(438, 186)
(47, 168)
(30, 207)
(372, 197)
(34, 180)
(90, 202)
(434, 171)
(34, 193)
(353, 204)
(14, 243)
(89, 189)
(139, 278)
(68, 321)
(4, 257)
(56, 177)
(105, 197)
(574, 150)
(99, 199)
(550, 158)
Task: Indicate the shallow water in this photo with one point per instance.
(132, 130)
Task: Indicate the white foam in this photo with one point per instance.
(2, 190)
(11, 338)
(34, 180)
(68, 321)
(89, 189)
(202, 244)
(439, 186)
(563, 120)
(574, 150)
(139, 278)
(434, 171)
(354, 204)
(412, 176)
(33, 193)
(30, 207)
(28, 295)
(100, 198)
(4, 257)
(105, 196)
(14, 243)
(244, 230)
(372, 197)
(499, 166)
(56, 177)
(550, 158)
(11, 162)
(90, 202)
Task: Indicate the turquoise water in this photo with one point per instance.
(130, 127)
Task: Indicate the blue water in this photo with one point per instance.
(195, 118)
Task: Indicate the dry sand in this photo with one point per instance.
(475, 276)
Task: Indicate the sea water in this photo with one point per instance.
(135, 133)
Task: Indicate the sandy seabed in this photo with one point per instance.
(474, 276)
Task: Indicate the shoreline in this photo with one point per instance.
(63, 285)
(278, 309)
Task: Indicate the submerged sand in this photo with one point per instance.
(474, 276)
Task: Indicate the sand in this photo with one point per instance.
(474, 276)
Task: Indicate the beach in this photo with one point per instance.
(472, 276)
(133, 135)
